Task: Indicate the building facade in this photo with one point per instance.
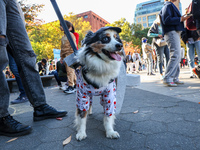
(96, 21)
(147, 12)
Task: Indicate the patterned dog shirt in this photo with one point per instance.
(85, 92)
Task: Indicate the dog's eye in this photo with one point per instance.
(105, 39)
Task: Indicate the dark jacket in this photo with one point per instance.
(195, 9)
(41, 69)
(189, 34)
(60, 67)
(170, 18)
(153, 29)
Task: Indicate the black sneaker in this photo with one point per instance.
(69, 90)
(13, 128)
(152, 74)
(20, 99)
(46, 112)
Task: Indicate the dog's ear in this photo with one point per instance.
(87, 38)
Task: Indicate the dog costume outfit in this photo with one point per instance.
(86, 91)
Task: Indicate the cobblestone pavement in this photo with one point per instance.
(153, 117)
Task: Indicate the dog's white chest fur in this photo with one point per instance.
(99, 71)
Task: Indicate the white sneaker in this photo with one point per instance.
(64, 87)
(60, 87)
(162, 77)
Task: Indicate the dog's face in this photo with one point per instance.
(101, 56)
(106, 45)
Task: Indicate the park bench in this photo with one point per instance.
(46, 81)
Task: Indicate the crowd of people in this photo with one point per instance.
(165, 51)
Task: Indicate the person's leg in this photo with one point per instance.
(137, 65)
(55, 73)
(25, 59)
(173, 68)
(197, 47)
(70, 76)
(166, 52)
(13, 68)
(24, 56)
(190, 55)
(63, 79)
(160, 52)
(8, 125)
(150, 64)
(131, 67)
(4, 90)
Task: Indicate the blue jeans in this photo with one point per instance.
(191, 53)
(12, 27)
(160, 52)
(59, 79)
(14, 69)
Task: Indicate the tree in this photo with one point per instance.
(131, 33)
(31, 12)
(44, 38)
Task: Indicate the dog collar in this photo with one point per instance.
(84, 72)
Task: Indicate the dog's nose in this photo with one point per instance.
(119, 46)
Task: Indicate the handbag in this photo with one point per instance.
(147, 48)
(190, 22)
(161, 42)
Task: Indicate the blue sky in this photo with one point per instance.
(110, 10)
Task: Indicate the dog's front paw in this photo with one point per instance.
(81, 136)
(112, 135)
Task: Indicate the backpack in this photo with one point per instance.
(191, 22)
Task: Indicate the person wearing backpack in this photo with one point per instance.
(159, 44)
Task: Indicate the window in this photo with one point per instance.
(144, 19)
(145, 25)
(94, 17)
(149, 24)
(86, 16)
(139, 19)
(151, 19)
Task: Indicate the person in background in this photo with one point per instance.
(156, 32)
(42, 67)
(13, 67)
(129, 63)
(172, 25)
(182, 57)
(51, 66)
(136, 59)
(66, 50)
(7, 73)
(192, 41)
(147, 55)
(60, 74)
(12, 31)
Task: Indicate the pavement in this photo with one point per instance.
(153, 117)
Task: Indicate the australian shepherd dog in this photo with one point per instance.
(100, 59)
